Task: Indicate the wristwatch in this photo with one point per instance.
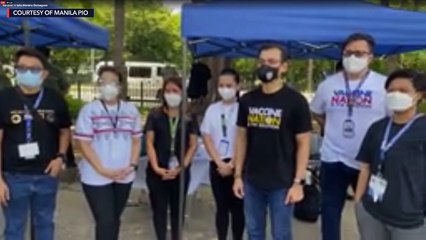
(63, 159)
(299, 181)
(135, 166)
(61, 156)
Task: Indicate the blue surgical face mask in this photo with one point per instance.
(28, 78)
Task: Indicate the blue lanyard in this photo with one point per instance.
(388, 143)
(350, 94)
(28, 117)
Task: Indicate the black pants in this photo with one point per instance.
(164, 194)
(107, 203)
(226, 204)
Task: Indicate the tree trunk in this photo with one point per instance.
(118, 46)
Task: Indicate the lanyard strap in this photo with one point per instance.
(388, 143)
(224, 120)
(350, 94)
(28, 117)
(113, 119)
(173, 122)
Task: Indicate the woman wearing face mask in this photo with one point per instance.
(391, 188)
(108, 131)
(218, 129)
(163, 146)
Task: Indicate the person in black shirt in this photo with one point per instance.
(391, 189)
(163, 146)
(34, 136)
(272, 148)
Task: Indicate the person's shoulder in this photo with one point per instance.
(378, 79)
(7, 92)
(214, 106)
(293, 94)
(89, 107)
(379, 124)
(130, 106)
(53, 93)
(155, 112)
(248, 96)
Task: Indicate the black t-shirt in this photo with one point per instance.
(404, 169)
(158, 122)
(54, 111)
(272, 122)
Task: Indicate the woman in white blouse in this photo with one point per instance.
(218, 131)
(108, 132)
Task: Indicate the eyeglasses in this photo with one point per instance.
(355, 53)
(22, 69)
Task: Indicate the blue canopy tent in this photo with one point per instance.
(314, 30)
(51, 31)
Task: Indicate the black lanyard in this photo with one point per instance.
(114, 121)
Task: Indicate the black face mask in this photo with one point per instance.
(266, 73)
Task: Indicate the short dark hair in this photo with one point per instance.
(44, 50)
(113, 70)
(31, 52)
(360, 37)
(339, 66)
(232, 72)
(417, 79)
(268, 46)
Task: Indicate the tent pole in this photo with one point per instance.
(27, 31)
(182, 146)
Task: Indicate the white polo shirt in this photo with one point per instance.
(111, 142)
(212, 125)
(330, 99)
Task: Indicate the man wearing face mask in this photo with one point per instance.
(34, 137)
(272, 148)
(346, 104)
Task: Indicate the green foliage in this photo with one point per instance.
(74, 106)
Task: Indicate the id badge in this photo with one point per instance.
(173, 162)
(223, 148)
(348, 128)
(377, 187)
(28, 150)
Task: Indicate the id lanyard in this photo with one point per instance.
(388, 143)
(113, 119)
(224, 122)
(28, 117)
(350, 93)
(173, 123)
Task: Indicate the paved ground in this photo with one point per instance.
(74, 221)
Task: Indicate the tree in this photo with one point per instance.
(153, 34)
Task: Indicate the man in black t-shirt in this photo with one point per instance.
(34, 137)
(272, 148)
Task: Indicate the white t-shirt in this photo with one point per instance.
(330, 99)
(112, 144)
(212, 125)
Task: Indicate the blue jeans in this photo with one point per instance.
(256, 202)
(335, 180)
(36, 193)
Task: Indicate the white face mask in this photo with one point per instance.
(172, 99)
(354, 64)
(398, 101)
(227, 93)
(109, 91)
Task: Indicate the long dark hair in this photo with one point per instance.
(176, 80)
(236, 76)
